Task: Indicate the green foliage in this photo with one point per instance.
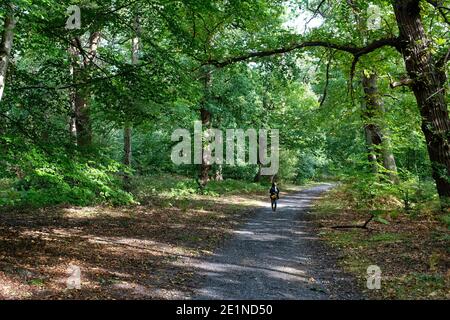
(376, 193)
(8, 194)
(446, 220)
(230, 186)
(147, 187)
(321, 121)
(178, 187)
(48, 181)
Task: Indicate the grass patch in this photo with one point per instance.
(387, 237)
(342, 239)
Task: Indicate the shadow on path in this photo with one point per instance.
(274, 256)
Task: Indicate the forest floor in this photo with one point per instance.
(411, 250)
(158, 250)
(176, 248)
(122, 252)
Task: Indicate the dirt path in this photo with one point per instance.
(158, 252)
(275, 256)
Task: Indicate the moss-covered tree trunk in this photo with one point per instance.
(380, 149)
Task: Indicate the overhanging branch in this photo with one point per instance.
(357, 52)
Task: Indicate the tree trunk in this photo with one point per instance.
(264, 122)
(370, 134)
(127, 131)
(127, 145)
(206, 122)
(218, 176)
(429, 89)
(378, 142)
(82, 61)
(6, 46)
(82, 118)
(127, 155)
(75, 67)
(72, 96)
(258, 174)
(206, 117)
(389, 160)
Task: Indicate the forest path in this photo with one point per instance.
(275, 256)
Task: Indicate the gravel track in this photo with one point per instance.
(275, 256)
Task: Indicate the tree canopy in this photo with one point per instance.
(85, 109)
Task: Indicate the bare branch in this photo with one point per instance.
(364, 226)
(315, 13)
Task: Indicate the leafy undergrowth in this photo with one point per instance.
(169, 187)
(40, 180)
(128, 252)
(412, 250)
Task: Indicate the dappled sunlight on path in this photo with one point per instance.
(270, 257)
